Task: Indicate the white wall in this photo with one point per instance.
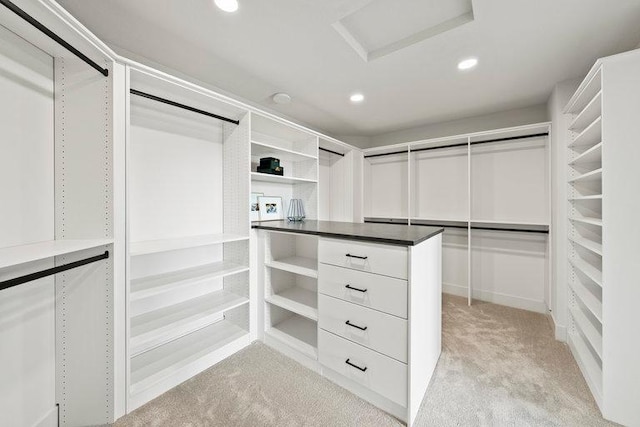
(522, 116)
(558, 304)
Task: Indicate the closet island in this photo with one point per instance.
(359, 303)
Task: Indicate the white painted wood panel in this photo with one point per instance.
(387, 260)
(385, 186)
(383, 375)
(382, 293)
(383, 333)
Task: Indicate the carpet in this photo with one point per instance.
(499, 367)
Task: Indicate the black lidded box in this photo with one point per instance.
(270, 165)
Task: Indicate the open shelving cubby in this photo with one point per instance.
(585, 249)
(291, 290)
(297, 151)
(188, 234)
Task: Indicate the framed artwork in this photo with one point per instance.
(270, 208)
(254, 207)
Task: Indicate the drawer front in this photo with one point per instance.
(388, 260)
(378, 373)
(378, 331)
(382, 293)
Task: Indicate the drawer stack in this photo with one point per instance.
(362, 321)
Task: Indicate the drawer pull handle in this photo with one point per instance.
(355, 289)
(356, 366)
(356, 256)
(356, 326)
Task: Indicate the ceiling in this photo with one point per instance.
(309, 49)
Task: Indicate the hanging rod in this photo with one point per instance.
(184, 107)
(387, 154)
(53, 36)
(449, 224)
(50, 271)
(332, 152)
(464, 144)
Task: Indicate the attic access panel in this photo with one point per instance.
(382, 27)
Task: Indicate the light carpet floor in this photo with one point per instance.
(499, 367)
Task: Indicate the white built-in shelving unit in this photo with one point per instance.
(57, 168)
(188, 232)
(297, 151)
(603, 233)
(491, 192)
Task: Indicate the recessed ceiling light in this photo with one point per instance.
(227, 5)
(281, 98)
(467, 63)
(357, 97)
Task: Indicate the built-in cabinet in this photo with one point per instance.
(187, 234)
(59, 262)
(603, 233)
(491, 191)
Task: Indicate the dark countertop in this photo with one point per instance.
(393, 234)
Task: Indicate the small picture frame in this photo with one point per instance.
(270, 208)
(254, 206)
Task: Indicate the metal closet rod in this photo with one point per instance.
(51, 271)
(462, 144)
(464, 227)
(53, 36)
(332, 152)
(184, 107)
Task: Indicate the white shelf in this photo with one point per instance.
(297, 264)
(261, 149)
(154, 285)
(158, 327)
(510, 225)
(592, 155)
(586, 92)
(592, 135)
(594, 247)
(593, 175)
(297, 300)
(590, 271)
(298, 333)
(591, 112)
(277, 179)
(590, 221)
(164, 245)
(589, 331)
(582, 198)
(587, 363)
(593, 303)
(161, 363)
(16, 255)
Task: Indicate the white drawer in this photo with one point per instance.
(389, 260)
(379, 373)
(382, 293)
(378, 331)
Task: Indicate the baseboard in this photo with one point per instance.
(497, 298)
(457, 290)
(49, 420)
(560, 331)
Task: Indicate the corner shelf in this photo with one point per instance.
(147, 287)
(588, 270)
(188, 353)
(592, 155)
(591, 221)
(158, 327)
(593, 336)
(172, 244)
(593, 304)
(297, 332)
(592, 135)
(594, 175)
(261, 149)
(297, 264)
(588, 114)
(297, 300)
(278, 179)
(15, 255)
(594, 247)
